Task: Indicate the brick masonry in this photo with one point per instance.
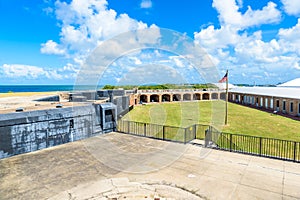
(283, 105)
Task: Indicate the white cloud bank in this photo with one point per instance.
(17, 71)
(233, 46)
(230, 16)
(292, 7)
(85, 25)
(51, 47)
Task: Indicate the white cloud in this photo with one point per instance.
(146, 4)
(29, 72)
(258, 51)
(17, 71)
(232, 22)
(236, 47)
(177, 60)
(48, 10)
(51, 47)
(135, 60)
(291, 7)
(229, 14)
(291, 34)
(268, 15)
(240, 3)
(289, 39)
(218, 38)
(69, 67)
(85, 25)
(296, 65)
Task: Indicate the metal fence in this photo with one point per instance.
(266, 147)
(162, 132)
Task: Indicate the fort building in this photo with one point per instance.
(172, 95)
(285, 100)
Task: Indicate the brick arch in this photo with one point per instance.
(176, 97)
(205, 96)
(154, 98)
(166, 97)
(196, 96)
(223, 96)
(214, 96)
(187, 97)
(144, 99)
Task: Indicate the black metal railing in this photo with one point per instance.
(266, 147)
(162, 132)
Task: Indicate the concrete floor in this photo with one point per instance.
(119, 166)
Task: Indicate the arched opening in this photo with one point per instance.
(154, 98)
(205, 96)
(143, 99)
(223, 96)
(176, 97)
(166, 97)
(186, 97)
(214, 96)
(196, 96)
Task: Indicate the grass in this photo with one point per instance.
(241, 119)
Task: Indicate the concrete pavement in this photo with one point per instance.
(119, 166)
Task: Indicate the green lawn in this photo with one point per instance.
(242, 120)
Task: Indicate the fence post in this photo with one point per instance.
(295, 151)
(128, 127)
(145, 129)
(185, 135)
(260, 145)
(195, 131)
(208, 136)
(230, 141)
(163, 133)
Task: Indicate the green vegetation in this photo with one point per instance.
(242, 120)
(153, 87)
(161, 87)
(109, 87)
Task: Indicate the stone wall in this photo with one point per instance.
(122, 104)
(30, 131)
(50, 98)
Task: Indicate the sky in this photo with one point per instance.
(48, 41)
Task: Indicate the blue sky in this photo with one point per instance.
(46, 42)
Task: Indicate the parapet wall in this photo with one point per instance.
(30, 131)
(49, 98)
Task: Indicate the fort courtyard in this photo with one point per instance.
(120, 166)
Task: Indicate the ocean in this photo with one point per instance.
(44, 88)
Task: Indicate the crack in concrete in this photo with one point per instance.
(177, 187)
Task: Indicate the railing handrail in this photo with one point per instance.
(254, 136)
(254, 145)
(236, 134)
(153, 124)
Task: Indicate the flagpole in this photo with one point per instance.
(226, 104)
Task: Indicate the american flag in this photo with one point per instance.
(224, 79)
